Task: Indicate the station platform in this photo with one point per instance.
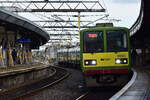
(12, 78)
(138, 87)
(20, 69)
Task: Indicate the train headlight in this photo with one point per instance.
(93, 62)
(125, 61)
(90, 62)
(118, 61)
(121, 61)
(86, 62)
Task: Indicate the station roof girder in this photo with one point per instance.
(59, 8)
(49, 6)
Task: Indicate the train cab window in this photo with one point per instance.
(93, 41)
(116, 41)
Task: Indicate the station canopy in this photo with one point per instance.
(62, 19)
(28, 31)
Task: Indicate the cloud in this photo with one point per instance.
(126, 12)
(125, 1)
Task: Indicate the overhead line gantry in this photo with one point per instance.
(53, 8)
(49, 6)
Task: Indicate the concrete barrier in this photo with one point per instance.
(24, 77)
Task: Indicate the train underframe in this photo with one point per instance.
(106, 80)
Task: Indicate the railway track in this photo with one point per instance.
(105, 93)
(99, 93)
(33, 88)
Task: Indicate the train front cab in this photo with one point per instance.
(105, 56)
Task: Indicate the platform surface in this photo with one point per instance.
(140, 87)
(20, 68)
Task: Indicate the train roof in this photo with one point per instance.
(104, 28)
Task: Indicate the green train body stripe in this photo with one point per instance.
(105, 42)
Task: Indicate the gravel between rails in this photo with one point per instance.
(70, 89)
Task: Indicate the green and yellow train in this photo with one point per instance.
(104, 55)
(69, 57)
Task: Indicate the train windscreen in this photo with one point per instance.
(116, 41)
(93, 42)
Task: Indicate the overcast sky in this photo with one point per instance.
(125, 1)
(125, 10)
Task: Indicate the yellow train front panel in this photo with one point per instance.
(105, 59)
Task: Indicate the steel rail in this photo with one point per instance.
(33, 91)
(15, 89)
(83, 96)
(42, 88)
